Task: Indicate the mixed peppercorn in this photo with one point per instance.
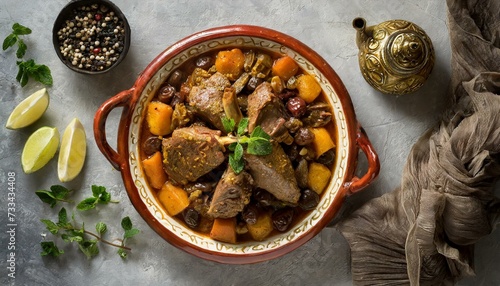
(93, 38)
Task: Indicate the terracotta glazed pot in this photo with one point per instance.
(350, 138)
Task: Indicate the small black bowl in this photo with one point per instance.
(121, 38)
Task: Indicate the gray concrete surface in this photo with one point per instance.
(392, 123)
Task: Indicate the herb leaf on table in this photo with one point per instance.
(69, 231)
(56, 194)
(27, 69)
(129, 232)
(99, 195)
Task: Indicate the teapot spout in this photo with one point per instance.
(363, 33)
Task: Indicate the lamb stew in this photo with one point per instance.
(238, 144)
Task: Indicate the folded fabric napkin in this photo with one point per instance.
(423, 233)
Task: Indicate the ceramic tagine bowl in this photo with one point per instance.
(348, 135)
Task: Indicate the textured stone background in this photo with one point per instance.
(392, 123)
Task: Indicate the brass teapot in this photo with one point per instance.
(395, 57)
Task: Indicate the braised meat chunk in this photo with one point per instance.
(274, 173)
(206, 99)
(267, 110)
(190, 153)
(232, 194)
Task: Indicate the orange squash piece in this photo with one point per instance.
(230, 63)
(322, 141)
(318, 177)
(173, 198)
(153, 167)
(159, 118)
(262, 228)
(285, 67)
(308, 88)
(224, 229)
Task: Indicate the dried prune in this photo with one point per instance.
(191, 217)
(293, 124)
(303, 137)
(166, 94)
(296, 106)
(308, 200)
(151, 145)
(250, 214)
(282, 219)
(205, 62)
(327, 158)
(176, 78)
(264, 198)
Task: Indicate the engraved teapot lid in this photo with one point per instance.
(395, 57)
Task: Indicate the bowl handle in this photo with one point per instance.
(357, 184)
(121, 99)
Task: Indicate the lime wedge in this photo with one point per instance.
(72, 152)
(29, 110)
(40, 147)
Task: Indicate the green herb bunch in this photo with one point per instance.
(27, 69)
(74, 232)
(257, 143)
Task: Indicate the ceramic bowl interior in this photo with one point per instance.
(67, 13)
(305, 228)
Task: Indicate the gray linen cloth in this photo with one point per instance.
(423, 233)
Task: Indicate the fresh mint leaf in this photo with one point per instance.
(259, 132)
(23, 74)
(259, 143)
(259, 147)
(87, 204)
(98, 190)
(9, 41)
(232, 146)
(21, 49)
(50, 248)
(27, 69)
(126, 223)
(56, 193)
(101, 228)
(73, 235)
(99, 195)
(51, 226)
(46, 197)
(228, 124)
(19, 29)
(236, 165)
(89, 248)
(122, 253)
(105, 197)
(42, 74)
(63, 222)
(63, 216)
(238, 152)
(130, 233)
(68, 231)
(59, 192)
(242, 126)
